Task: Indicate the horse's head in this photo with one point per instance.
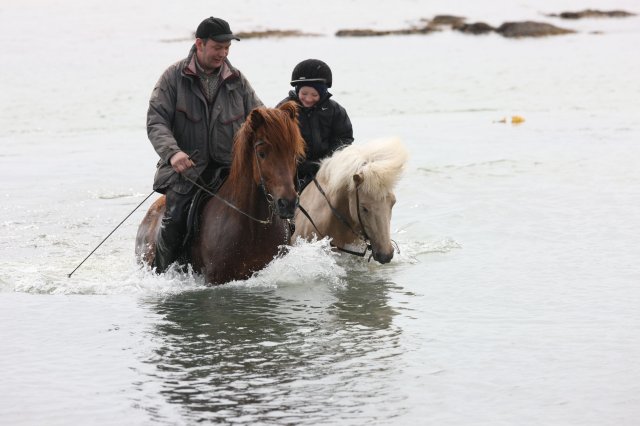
(372, 211)
(269, 146)
(366, 175)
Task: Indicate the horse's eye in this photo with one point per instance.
(262, 155)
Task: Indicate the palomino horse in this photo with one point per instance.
(351, 199)
(243, 225)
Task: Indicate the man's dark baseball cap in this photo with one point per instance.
(216, 29)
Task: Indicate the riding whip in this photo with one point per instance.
(127, 217)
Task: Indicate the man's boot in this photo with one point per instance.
(168, 245)
(172, 229)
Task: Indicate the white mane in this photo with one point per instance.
(380, 162)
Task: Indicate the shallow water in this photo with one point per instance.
(513, 299)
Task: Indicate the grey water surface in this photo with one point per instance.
(513, 299)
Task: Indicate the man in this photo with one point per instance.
(198, 104)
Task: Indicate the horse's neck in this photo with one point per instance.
(336, 228)
(249, 199)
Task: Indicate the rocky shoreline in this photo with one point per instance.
(518, 29)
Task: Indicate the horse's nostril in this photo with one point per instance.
(282, 204)
(285, 208)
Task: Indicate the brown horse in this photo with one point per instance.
(243, 225)
(351, 199)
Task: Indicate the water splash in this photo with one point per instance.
(117, 273)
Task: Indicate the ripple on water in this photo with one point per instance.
(278, 355)
(110, 195)
(486, 169)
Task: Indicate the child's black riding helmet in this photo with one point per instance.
(311, 71)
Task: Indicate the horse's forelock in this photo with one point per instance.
(379, 162)
(274, 126)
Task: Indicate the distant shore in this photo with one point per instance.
(519, 29)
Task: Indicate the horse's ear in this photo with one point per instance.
(256, 119)
(290, 108)
(358, 179)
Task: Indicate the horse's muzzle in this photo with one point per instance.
(383, 257)
(286, 208)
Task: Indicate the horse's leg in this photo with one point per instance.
(148, 232)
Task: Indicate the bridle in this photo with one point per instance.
(362, 235)
(262, 186)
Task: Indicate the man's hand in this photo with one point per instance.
(181, 162)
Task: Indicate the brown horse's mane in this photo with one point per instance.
(276, 126)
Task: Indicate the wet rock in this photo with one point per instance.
(428, 26)
(274, 34)
(592, 13)
(377, 33)
(361, 33)
(415, 30)
(530, 29)
(451, 20)
(475, 28)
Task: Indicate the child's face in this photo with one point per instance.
(308, 96)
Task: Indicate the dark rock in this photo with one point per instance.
(475, 28)
(530, 29)
(592, 13)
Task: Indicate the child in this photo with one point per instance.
(324, 124)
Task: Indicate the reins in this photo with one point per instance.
(363, 235)
(208, 191)
(268, 196)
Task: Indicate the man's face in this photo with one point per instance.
(211, 54)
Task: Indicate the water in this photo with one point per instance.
(513, 300)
